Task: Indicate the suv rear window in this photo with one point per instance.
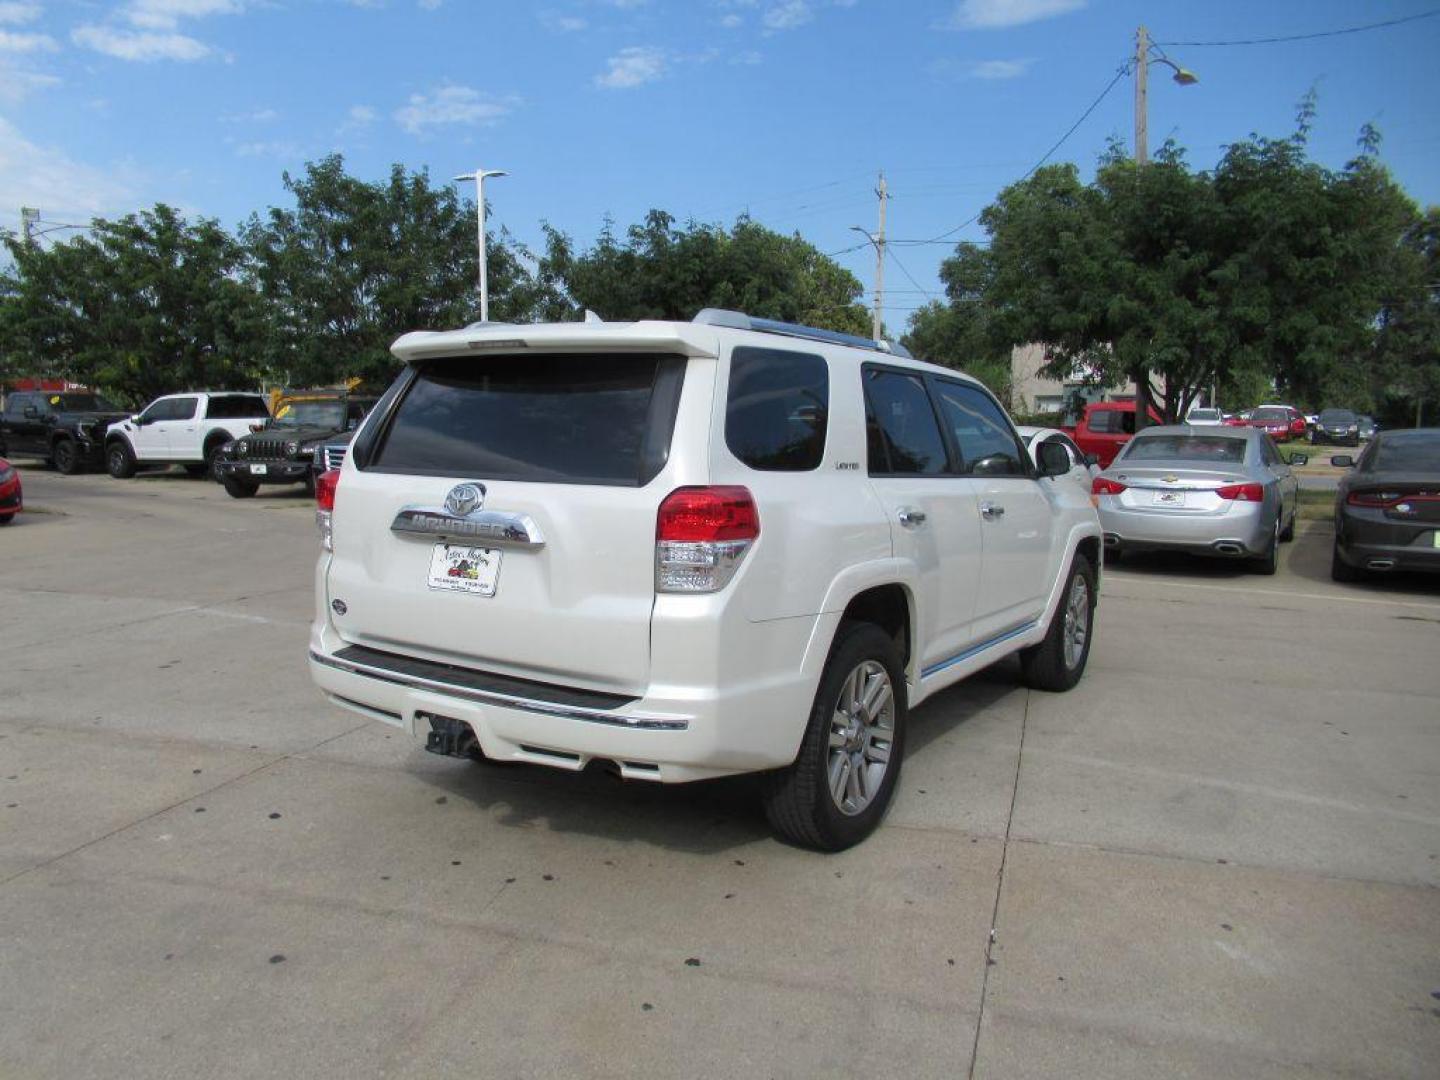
(565, 419)
(777, 409)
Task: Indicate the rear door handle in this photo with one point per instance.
(989, 511)
(911, 518)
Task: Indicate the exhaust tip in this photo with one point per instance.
(1111, 540)
(1227, 548)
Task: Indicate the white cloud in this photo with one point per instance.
(732, 21)
(998, 69)
(45, 176)
(139, 45)
(632, 67)
(26, 43)
(997, 14)
(746, 59)
(16, 84)
(166, 14)
(562, 24)
(361, 115)
(787, 15)
(276, 149)
(15, 13)
(458, 105)
(430, 5)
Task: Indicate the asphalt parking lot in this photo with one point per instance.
(1218, 856)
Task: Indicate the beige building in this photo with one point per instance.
(1032, 392)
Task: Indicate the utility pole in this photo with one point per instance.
(883, 194)
(1142, 88)
(479, 176)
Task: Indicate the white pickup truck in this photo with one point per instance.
(181, 429)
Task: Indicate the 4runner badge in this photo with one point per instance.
(464, 499)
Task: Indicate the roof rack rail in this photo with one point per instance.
(738, 320)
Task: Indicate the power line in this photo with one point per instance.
(1120, 73)
(1305, 37)
(911, 277)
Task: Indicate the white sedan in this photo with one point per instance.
(1083, 467)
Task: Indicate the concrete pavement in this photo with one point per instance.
(1218, 856)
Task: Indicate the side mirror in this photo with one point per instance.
(1092, 459)
(31, 413)
(1343, 461)
(1299, 459)
(1054, 460)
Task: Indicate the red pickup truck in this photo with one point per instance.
(1105, 427)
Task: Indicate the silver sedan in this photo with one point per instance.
(1222, 491)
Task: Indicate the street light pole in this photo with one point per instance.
(1142, 88)
(479, 176)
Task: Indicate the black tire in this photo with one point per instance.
(195, 472)
(5, 519)
(119, 460)
(212, 455)
(240, 489)
(1288, 533)
(1114, 556)
(798, 799)
(310, 483)
(1050, 665)
(1340, 570)
(1269, 562)
(66, 456)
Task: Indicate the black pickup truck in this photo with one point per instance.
(64, 427)
(284, 451)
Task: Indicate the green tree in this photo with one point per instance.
(662, 272)
(1269, 270)
(961, 333)
(1407, 370)
(355, 264)
(141, 306)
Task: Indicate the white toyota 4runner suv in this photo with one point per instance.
(688, 550)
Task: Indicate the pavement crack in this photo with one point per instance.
(999, 887)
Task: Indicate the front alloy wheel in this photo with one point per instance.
(1076, 630)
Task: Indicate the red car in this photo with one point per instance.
(9, 492)
(1105, 427)
(1280, 422)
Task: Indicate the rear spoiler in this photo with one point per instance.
(646, 336)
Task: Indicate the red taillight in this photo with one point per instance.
(1373, 498)
(1242, 492)
(1103, 486)
(325, 485)
(697, 515)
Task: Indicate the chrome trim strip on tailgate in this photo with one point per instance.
(494, 526)
(638, 721)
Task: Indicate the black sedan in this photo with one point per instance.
(1336, 426)
(1387, 510)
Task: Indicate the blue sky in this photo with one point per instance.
(705, 108)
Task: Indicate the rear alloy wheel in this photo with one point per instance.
(1340, 570)
(841, 782)
(1057, 663)
(119, 461)
(66, 456)
(1269, 562)
(240, 489)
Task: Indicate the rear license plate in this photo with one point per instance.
(458, 568)
(259, 470)
(1169, 498)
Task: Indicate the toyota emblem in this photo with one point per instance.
(464, 499)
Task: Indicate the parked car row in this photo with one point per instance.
(228, 436)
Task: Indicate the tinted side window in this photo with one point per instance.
(235, 407)
(182, 408)
(904, 439)
(1104, 422)
(777, 409)
(584, 419)
(1268, 454)
(984, 437)
(15, 404)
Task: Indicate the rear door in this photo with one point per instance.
(562, 450)
(25, 434)
(934, 520)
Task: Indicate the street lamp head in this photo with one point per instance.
(1186, 77)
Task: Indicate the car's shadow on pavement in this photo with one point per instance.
(704, 817)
